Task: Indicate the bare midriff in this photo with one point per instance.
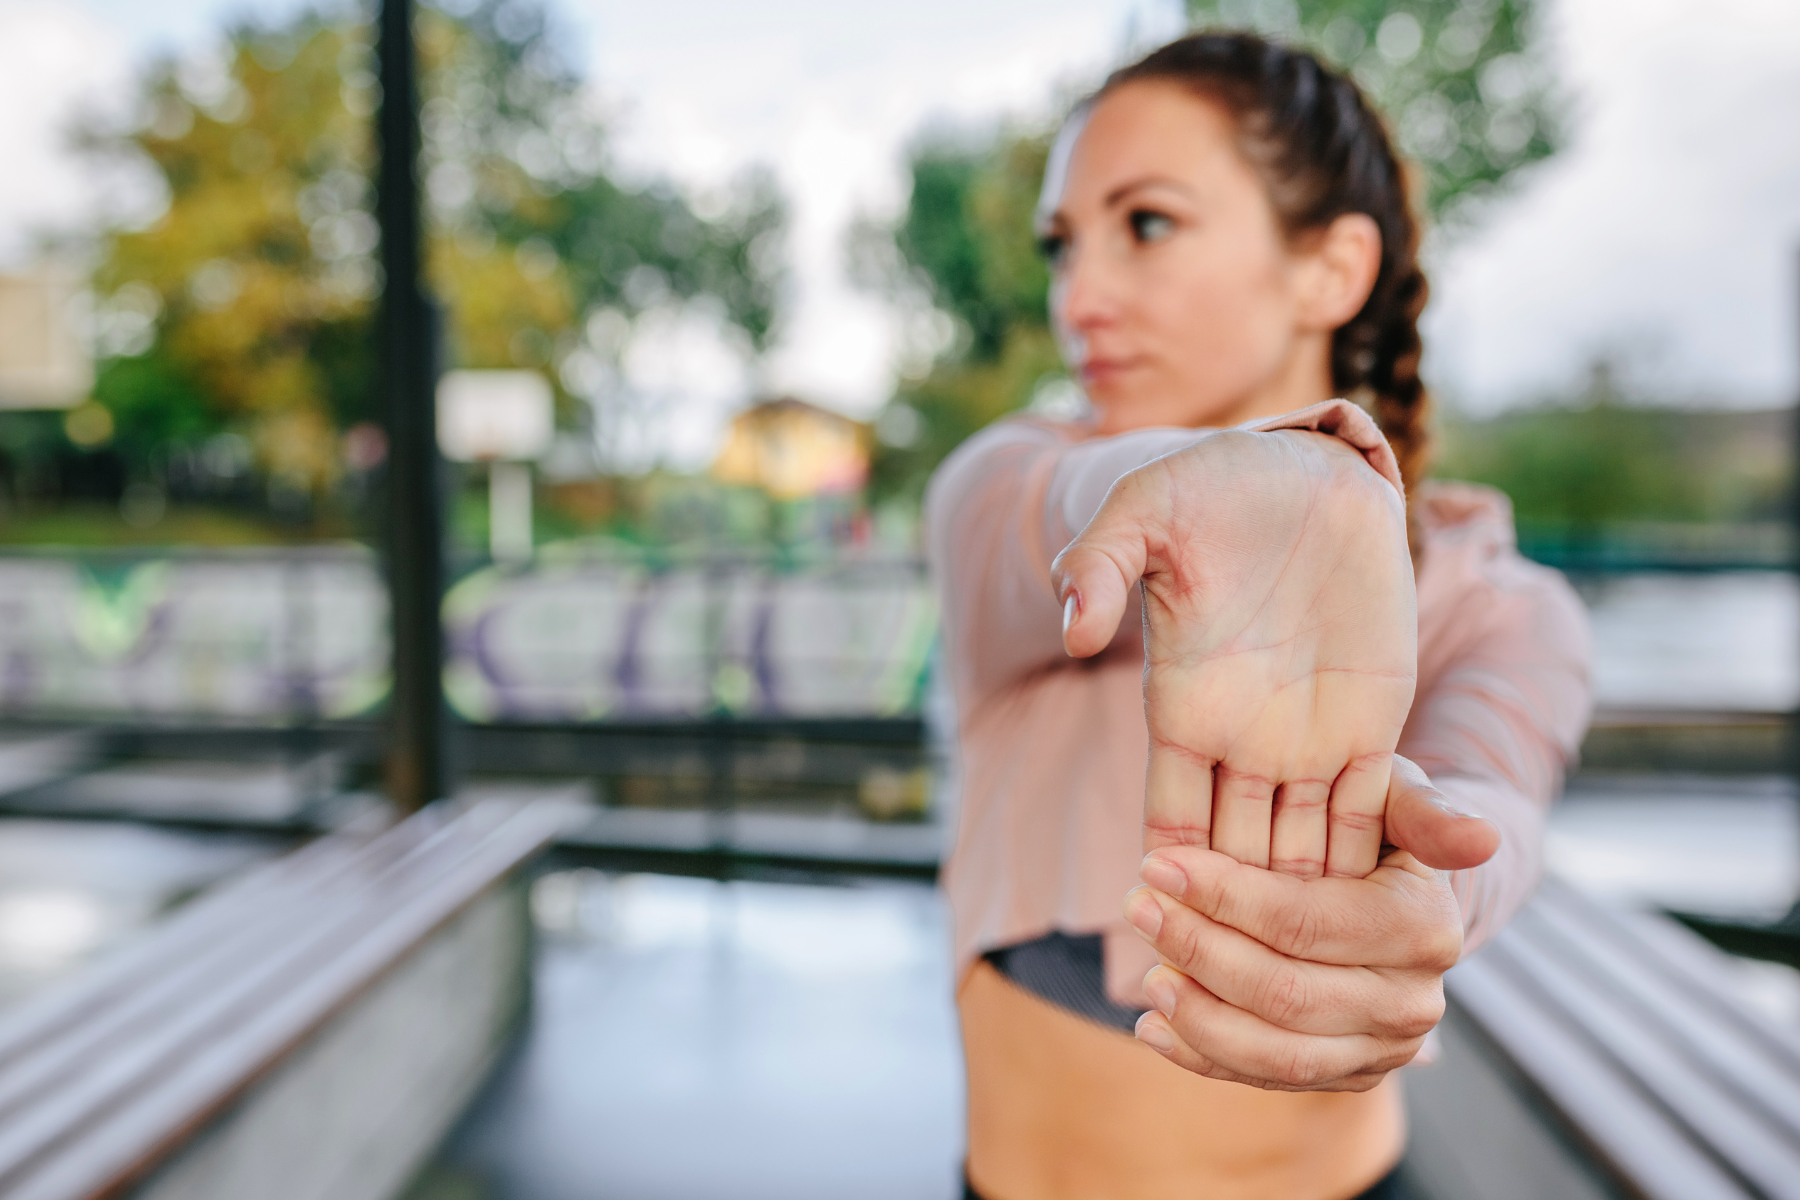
(1061, 1108)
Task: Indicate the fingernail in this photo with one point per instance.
(1144, 913)
(1161, 990)
(1163, 875)
(1154, 1034)
(1071, 610)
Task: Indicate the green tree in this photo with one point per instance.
(1583, 467)
(1465, 82)
(964, 247)
(247, 304)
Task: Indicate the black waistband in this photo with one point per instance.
(1068, 970)
(1391, 1186)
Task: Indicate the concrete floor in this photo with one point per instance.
(697, 1039)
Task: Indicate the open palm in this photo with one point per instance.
(1280, 642)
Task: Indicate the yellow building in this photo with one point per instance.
(44, 360)
(794, 450)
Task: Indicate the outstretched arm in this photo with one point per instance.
(1012, 497)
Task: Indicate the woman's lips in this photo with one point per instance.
(1102, 371)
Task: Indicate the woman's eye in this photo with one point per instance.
(1052, 246)
(1149, 226)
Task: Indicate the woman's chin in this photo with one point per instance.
(1123, 413)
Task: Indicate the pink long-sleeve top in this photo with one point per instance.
(1051, 751)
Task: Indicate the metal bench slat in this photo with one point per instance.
(46, 1016)
(1686, 963)
(1646, 1152)
(136, 1136)
(121, 1110)
(1715, 1116)
(116, 1019)
(1718, 1049)
(316, 923)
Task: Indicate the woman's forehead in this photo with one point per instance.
(1056, 169)
(1142, 130)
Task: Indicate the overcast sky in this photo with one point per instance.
(1667, 235)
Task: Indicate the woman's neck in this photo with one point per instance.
(1303, 380)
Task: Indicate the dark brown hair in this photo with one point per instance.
(1323, 153)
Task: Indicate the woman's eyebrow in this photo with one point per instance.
(1149, 182)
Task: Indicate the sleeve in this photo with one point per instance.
(1501, 720)
(997, 513)
(1003, 506)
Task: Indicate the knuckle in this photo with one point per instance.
(1439, 946)
(1284, 997)
(1209, 893)
(1302, 868)
(1298, 932)
(1163, 833)
(1420, 1013)
(1184, 941)
(1301, 1066)
(1347, 821)
(1399, 1055)
(1309, 801)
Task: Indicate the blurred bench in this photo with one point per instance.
(29, 758)
(310, 1030)
(1589, 1052)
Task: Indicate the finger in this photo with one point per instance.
(1292, 993)
(1094, 574)
(1422, 822)
(1178, 799)
(1243, 805)
(1245, 1044)
(1297, 832)
(1358, 801)
(1396, 917)
(1154, 1030)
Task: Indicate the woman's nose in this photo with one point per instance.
(1085, 293)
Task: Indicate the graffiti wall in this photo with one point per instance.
(297, 635)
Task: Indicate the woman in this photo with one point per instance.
(1231, 245)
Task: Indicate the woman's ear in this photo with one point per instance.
(1344, 261)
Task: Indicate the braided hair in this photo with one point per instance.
(1323, 152)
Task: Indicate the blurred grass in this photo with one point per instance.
(438, 1182)
(1588, 469)
(99, 524)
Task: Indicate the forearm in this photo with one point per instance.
(1087, 471)
(1490, 894)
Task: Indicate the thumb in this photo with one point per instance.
(1094, 574)
(1421, 822)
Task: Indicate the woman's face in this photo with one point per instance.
(1176, 296)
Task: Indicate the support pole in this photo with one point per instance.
(407, 373)
(509, 512)
(1793, 917)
